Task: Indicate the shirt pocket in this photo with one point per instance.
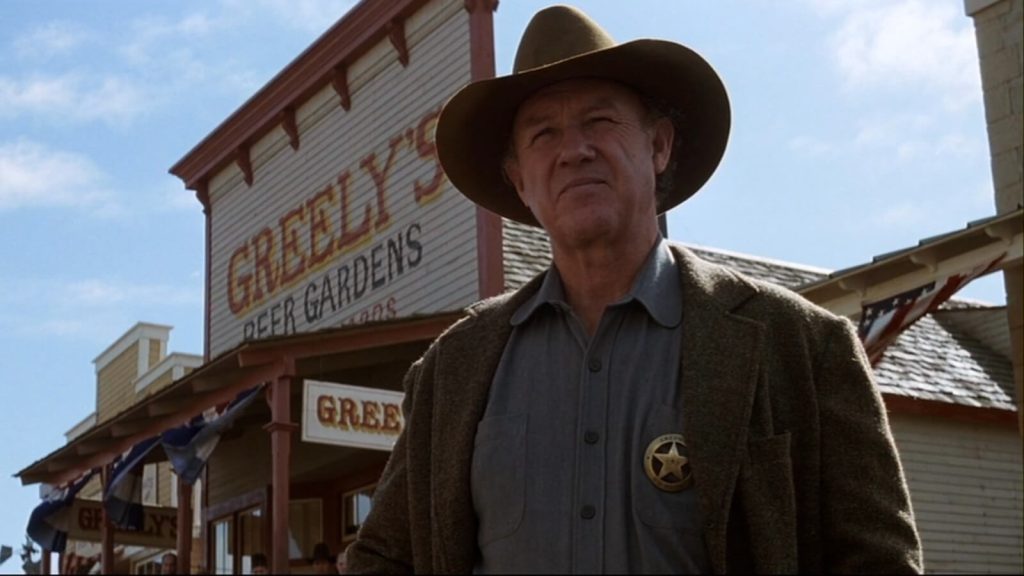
(499, 476)
(655, 507)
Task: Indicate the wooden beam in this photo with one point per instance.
(66, 466)
(281, 429)
(396, 33)
(350, 340)
(359, 31)
(244, 163)
(119, 429)
(339, 80)
(168, 406)
(927, 259)
(899, 404)
(850, 304)
(290, 127)
(184, 527)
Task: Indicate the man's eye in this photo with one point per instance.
(543, 132)
(600, 119)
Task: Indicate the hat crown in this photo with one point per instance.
(558, 33)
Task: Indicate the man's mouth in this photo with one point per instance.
(580, 182)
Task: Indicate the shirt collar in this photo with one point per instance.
(656, 288)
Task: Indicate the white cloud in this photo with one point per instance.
(74, 96)
(150, 38)
(93, 309)
(899, 215)
(174, 197)
(96, 294)
(51, 39)
(907, 43)
(912, 137)
(59, 327)
(811, 146)
(32, 175)
(308, 15)
(905, 137)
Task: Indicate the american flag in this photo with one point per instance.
(188, 447)
(122, 496)
(881, 322)
(48, 524)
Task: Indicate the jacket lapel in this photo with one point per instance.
(471, 353)
(720, 358)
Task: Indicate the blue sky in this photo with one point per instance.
(858, 129)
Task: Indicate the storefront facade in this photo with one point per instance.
(336, 251)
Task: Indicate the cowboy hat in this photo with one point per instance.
(561, 42)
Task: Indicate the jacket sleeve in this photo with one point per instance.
(866, 516)
(384, 543)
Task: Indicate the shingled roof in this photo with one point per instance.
(938, 358)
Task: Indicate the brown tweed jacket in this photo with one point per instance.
(790, 444)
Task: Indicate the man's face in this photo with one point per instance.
(585, 157)
(169, 564)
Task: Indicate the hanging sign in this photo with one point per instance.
(345, 415)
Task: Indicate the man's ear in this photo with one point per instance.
(514, 177)
(662, 136)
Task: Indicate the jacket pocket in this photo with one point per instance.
(769, 503)
(498, 476)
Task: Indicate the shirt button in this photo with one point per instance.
(588, 512)
(591, 437)
(594, 365)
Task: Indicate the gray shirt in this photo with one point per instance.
(558, 473)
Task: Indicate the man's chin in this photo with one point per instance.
(585, 230)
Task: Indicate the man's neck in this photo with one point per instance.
(596, 277)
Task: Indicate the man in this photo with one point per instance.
(169, 563)
(634, 409)
(341, 562)
(323, 560)
(260, 565)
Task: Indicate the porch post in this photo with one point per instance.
(107, 529)
(280, 428)
(184, 527)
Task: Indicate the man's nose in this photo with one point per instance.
(575, 146)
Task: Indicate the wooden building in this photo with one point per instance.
(336, 251)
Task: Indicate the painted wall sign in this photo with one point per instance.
(359, 223)
(160, 530)
(345, 415)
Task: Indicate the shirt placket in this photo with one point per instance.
(591, 460)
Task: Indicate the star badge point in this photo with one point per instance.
(667, 463)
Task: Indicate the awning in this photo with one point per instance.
(845, 292)
(223, 378)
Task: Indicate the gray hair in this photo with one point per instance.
(656, 110)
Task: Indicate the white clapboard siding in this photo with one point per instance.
(388, 101)
(966, 488)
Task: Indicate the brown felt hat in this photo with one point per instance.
(560, 43)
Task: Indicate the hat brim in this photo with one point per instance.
(475, 126)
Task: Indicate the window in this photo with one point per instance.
(305, 526)
(150, 488)
(355, 508)
(223, 556)
(250, 533)
(151, 566)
